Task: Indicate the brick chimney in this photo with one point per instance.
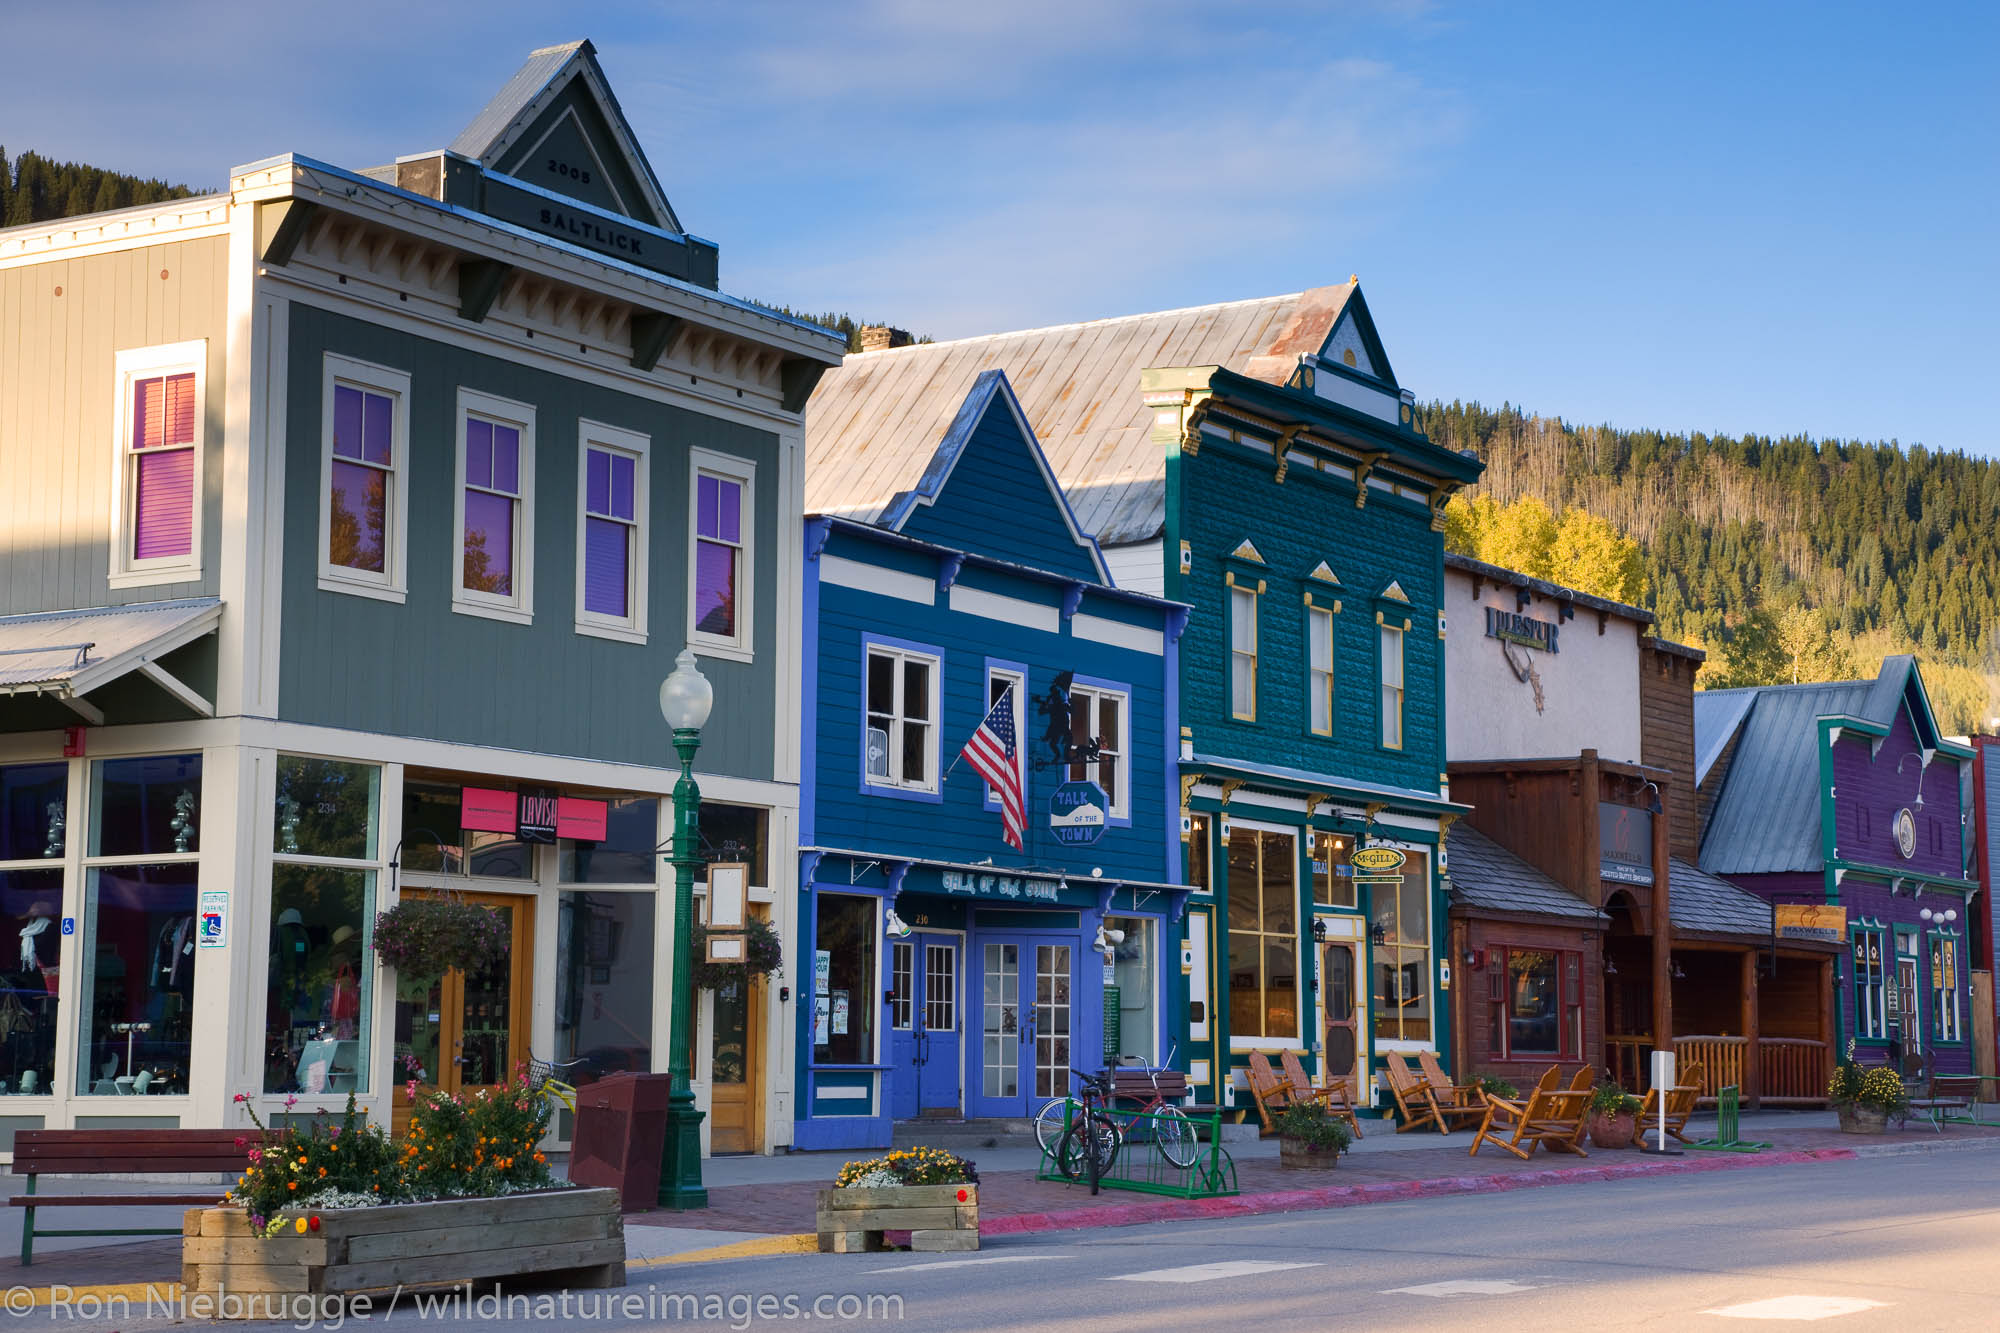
(879, 338)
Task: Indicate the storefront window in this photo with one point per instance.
(605, 983)
(1871, 1021)
(844, 980)
(1400, 921)
(33, 817)
(326, 808)
(1131, 990)
(319, 997)
(30, 907)
(626, 856)
(138, 944)
(1944, 988)
(1263, 935)
(1333, 878)
(434, 841)
(736, 833)
(1543, 1004)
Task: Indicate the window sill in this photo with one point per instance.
(727, 652)
(381, 592)
(617, 633)
(1266, 1044)
(901, 793)
(153, 578)
(512, 615)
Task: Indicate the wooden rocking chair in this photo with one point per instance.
(1332, 1098)
(1414, 1102)
(1457, 1103)
(1554, 1119)
(1269, 1090)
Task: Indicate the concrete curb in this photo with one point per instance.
(1347, 1196)
(1920, 1146)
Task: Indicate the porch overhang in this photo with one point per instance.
(1340, 791)
(64, 656)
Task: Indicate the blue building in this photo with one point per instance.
(943, 968)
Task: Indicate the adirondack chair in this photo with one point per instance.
(1551, 1117)
(1681, 1099)
(1414, 1102)
(1457, 1103)
(1332, 1098)
(1268, 1089)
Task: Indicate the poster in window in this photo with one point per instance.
(822, 1010)
(840, 1013)
(822, 970)
(1409, 984)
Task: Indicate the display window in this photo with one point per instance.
(605, 983)
(844, 986)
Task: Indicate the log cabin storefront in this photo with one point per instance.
(1579, 914)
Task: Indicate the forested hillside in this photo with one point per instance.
(1785, 558)
(34, 189)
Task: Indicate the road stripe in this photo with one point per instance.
(1797, 1307)
(967, 1263)
(1209, 1272)
(1464, 1286)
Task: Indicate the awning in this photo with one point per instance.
(67, 654)
(1487, 877)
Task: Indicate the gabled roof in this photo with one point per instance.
(1701, 902)
(1717, 715)
(875, 418)
(499, 129)
(1488, 876)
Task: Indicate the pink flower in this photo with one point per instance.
(241, 1098)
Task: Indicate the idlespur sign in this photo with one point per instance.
(1524, 630)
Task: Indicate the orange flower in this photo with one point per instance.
(291, 1184)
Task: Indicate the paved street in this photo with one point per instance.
(1883, 1243)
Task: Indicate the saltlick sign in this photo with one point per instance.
(1524, 630)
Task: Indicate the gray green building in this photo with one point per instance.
(349, 521)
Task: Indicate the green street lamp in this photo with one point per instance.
(685, 700)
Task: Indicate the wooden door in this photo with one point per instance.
(736, 1087)
(1340, 991)
(467, 1031)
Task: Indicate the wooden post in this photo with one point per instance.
(1753, 1073)
(1826, 1033)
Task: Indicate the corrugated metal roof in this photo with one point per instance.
(514, 96)
(73, 652)
(1702, 902)
(1486, 875)
(1717, 715)
(876, 419)
(1766, 818)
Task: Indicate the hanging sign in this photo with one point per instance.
(1625, 843)
(580, 819)
(1076, 813)
(1811, 921)
(212, 915)
(537, 815)
(727, 892)
(486, 810)
(1377, 858)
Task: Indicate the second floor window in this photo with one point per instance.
(1392, 687)
(1319, 670)
(720, 562)
(1243, 654)
(159, 465)
(901, 740)
(1944, 988)
(363, 500)
(1871, 1021)
(495, 554)
(1098, 713)
(611, 541)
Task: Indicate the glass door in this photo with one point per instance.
(1344, 1020)
(1001, 1031)
(1051, 1022)
(465, 1031)
(1024, 986)
(735, 1089)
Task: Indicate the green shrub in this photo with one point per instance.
(1610, 1099)
(1310, 1125)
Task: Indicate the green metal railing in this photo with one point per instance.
(1727, 1102)
(1143, 1165)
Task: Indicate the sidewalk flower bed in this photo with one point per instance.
(928, 1192)
(1311, 1140)
(1614, 1115)
(1864, 1099)
(466, 1193)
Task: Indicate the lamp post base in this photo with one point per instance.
(681, 1189)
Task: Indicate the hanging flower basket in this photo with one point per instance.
(423, 938)
(762, 955)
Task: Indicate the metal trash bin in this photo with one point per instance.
(621, 1131)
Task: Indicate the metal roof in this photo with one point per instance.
(1717, 715)
(1514, 578)
(1699, 901)
(875, 420)
(1766, 818)
(1486, 875)
(69, 653)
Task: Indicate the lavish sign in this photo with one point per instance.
(1076, 813)
(1811, 921)
(537, 819)
(1524, 630)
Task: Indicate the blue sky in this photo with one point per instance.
(1765, 217)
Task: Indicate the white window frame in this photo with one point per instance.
(595, 435)
(1383, 642)
(1872, 1019)
(1318, 618)
(519, 606)
(392, 584)
(1079, 693)
(895, 781)
(736, 647)
(1944, 999)
(141, 363)
(1237, 656)
(1018, 678)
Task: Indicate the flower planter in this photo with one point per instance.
(1858, 1119)
(1299, 1155)
(1613, 1131)
(574, 1236)
(938, 1217)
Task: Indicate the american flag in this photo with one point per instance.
(992, 752)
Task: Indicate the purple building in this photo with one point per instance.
(1842, 805)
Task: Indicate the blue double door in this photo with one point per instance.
(1024, 1023)
(926, 1044)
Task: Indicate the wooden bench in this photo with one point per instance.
(106, 1152)
(1947, 1092)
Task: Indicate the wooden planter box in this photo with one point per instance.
(572, 1236)
(1298, 1155)
(938, 1217)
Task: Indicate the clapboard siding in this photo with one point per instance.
(1137, 568)
(58, 374)
(419, 669)
(999, 504)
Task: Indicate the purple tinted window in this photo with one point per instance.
(378, 417)
(597, 482)
(357, 513)
(478, 452)
(347, 421)
(489, 543)
(362, 424)
(715, 589)
(606, 567)
(507, 459)
(165, 504)
(718, 509)
(623, 472)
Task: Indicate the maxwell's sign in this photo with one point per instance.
(1524, 630)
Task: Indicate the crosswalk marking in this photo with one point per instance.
(1796, 1307)
(967, 1263)
(1464, 1286)
(1209, 1272)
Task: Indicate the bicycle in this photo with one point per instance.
(1172, 1130)
(543, 1074)
(1090, 1144)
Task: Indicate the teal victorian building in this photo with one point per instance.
(1259, 462)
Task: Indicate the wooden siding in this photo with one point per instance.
(1869, 789)
(1227, 495)
(419, 669)
(58, 372)
(1476, 1009)
(1666, 740)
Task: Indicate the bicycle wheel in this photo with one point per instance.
(1050, 1121)
(1104, 1140)
(1174, 1132)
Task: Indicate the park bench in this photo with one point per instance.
(123, 1152)
(1946, 1092)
